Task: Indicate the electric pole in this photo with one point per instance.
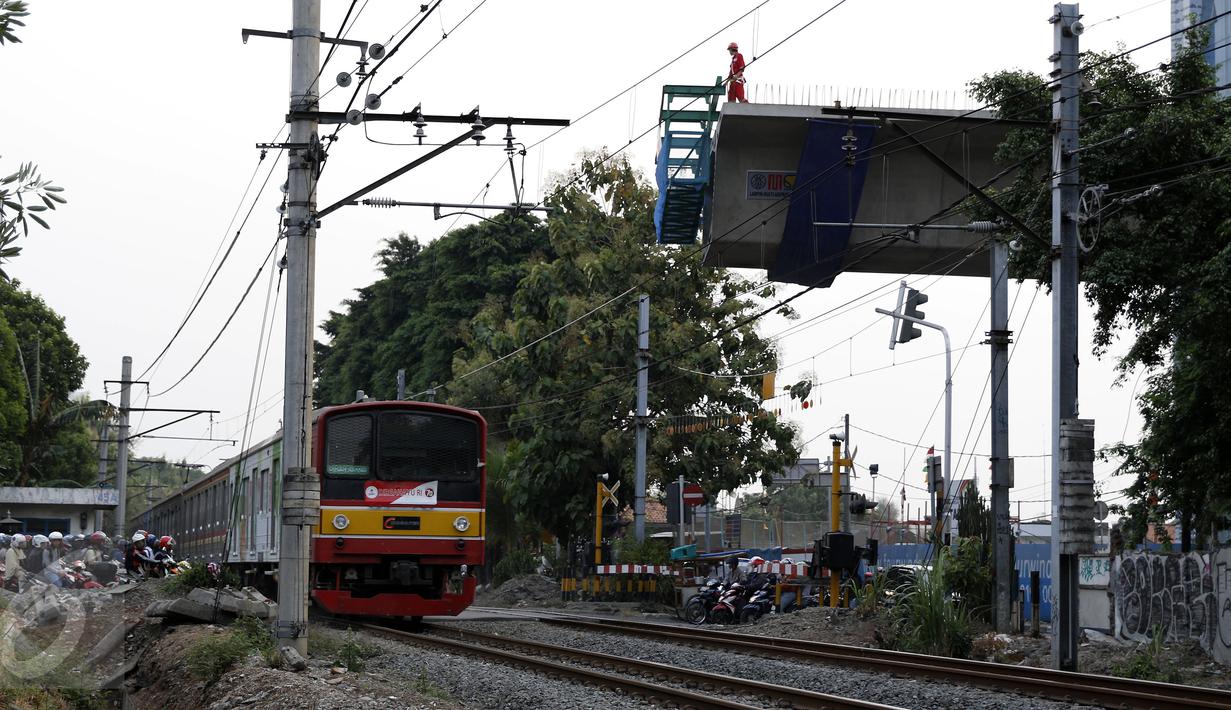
(1002, 465)
(643, 379)
(1065, 189)
(121, 456)
(102, 468)
(301, 490)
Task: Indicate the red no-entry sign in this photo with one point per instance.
(693, 495)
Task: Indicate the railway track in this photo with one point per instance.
(1084, 688)
(638, 679)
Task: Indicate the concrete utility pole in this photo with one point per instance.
(121, 456)
(643, 381)
(102, 469)
(1066, 189)
(300, 487)
(1002, 465)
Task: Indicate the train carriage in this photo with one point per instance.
(402, 509)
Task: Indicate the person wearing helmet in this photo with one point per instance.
(735, 77)
(734, 573)
(97, 544)
(14, 571)
(137, 554)
(165, 554)
(56, 548)
(39, 556)
(5, 541)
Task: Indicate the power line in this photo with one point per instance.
(202, 292)
(231, 317)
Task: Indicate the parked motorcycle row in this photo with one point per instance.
(729, 602)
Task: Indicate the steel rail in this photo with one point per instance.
(1067, 686)
(783, 696)
(633, 687)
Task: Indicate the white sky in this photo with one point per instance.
(147, 115)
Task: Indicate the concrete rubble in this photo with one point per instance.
(204, 605)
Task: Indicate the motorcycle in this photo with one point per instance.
(730, 602)
(759, 604)
(697, 610)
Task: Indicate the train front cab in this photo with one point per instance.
(402, 509)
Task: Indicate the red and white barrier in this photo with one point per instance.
(784, 569)
(635, 569)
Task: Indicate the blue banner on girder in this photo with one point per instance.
(826, 190)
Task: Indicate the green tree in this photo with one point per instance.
(54, 441)
(14, 414)
(1156, 261)
(566, 402)
(414, 316)
(24, 193)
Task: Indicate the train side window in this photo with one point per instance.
(348, 442)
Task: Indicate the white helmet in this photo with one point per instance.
(55, 536)
(19, 540)
(40, 541)
(139, 536)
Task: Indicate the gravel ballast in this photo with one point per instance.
(836, 680)
(485, 684)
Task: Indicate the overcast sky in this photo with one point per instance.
(148, 114)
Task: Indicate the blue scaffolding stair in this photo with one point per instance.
(685, 161)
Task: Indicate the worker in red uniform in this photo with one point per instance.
(735, 79)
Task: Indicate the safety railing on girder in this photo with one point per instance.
(685, 160)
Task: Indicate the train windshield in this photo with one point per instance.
(427, 447)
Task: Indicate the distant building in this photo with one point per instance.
(1185, 12)
(67, 510)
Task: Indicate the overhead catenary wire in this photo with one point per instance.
(202, 291)
(225, 325)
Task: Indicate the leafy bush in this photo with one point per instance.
(926, 619)
(969, 575)
(514, 564)
(197, 576)
(867, 598)
(630, 551)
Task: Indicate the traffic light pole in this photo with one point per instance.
(941, 513)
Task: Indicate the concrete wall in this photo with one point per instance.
(1183, 596)
(902, 185)
(71, 513)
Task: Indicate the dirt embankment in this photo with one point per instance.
(528, 590)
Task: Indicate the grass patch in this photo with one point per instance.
(345, 651)
(424, 687)
(34, 698)
(1149, 662)
(210, 658)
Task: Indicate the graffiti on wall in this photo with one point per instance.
(1173, 593)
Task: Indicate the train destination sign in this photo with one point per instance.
(400, 493)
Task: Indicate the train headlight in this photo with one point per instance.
(340, 521)
(461, 524)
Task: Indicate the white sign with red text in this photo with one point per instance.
(400, 493)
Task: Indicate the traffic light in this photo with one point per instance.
(860, 504)
(908, 331)
(935, 474)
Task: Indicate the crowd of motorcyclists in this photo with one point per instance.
(742, 595)
(84, 561)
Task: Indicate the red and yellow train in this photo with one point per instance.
(403, 496)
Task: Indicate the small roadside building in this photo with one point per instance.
(68, 510)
